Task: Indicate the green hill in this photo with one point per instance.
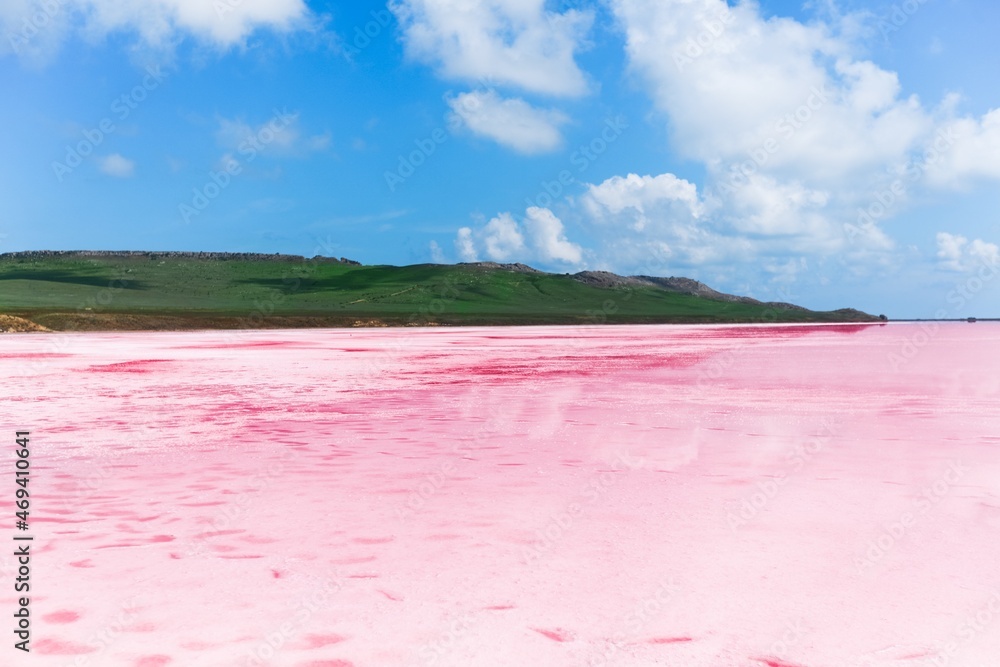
(150, 290)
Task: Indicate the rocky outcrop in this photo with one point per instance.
(516, 267)
(608, 279)
(13, 324)
(678, 285)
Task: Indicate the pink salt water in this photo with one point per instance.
(771, 496)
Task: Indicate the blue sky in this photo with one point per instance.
(828, 153)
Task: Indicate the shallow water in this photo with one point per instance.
(807, 496)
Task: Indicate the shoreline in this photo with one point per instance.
(62, 322)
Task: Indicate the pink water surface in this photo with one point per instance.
(796, 496)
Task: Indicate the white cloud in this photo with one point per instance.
(661, 224)
(502, 238)
(949, 250)
(116, 165)
(548, 237)
(794, 88)
(36, 28)
(437, 255)
(765, 206)
(511, 42)
(982, 252)
(639, 194)
(539, 238)
(748, 95)
(656, 224)
(510, 122)
(465, 245)
(964, 151)
(956, 253)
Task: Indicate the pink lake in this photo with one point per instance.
(767, 496)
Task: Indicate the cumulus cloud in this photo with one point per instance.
(465, 245)
(807, 147)
(656, 224)
(661, 225)
(510, 122)
(539, 237)
(548, 237)
(638, 195)
(510, 42)
(766, 206)
(779, 82)
(969, 151)
(35, 28)
(116, 165)
(502, 238)
(957, 253)
(749, 94)
(664, 224)
(982, 252)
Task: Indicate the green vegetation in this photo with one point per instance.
(157, 291)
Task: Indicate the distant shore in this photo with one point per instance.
(97, 290)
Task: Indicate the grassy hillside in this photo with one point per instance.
(74, 292)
